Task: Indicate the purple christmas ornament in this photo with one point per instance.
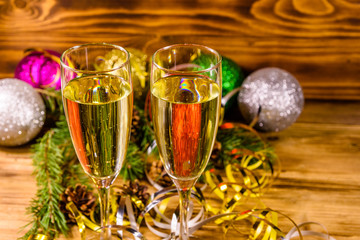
(40, 68)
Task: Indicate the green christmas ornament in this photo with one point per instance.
(232, 76)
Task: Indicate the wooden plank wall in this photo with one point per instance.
(318, 41)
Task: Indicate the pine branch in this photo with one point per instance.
(144, 135)
(148, 136)
(55, 167)
(239, 138)
(72, 170)
(133, 166)
(53, 103)
(44, 208)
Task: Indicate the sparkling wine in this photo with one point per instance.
(185, 111)
(98, 109)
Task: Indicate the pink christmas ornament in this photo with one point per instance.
(40, 68)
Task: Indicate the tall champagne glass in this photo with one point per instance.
(185, 102)
(97, 98)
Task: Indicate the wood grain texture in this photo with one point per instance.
(315, 40)
(319, 181)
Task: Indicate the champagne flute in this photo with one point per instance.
(97, 97)
(185, 102)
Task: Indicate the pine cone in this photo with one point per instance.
(136, 189)
(215, 155)
(216, 151)
(83, 199)
(158, 174)
(135, 126)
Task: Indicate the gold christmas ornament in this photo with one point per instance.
(139, 69)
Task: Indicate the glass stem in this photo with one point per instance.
(184, 195)
(104, 194)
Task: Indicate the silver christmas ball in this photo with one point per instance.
(275, 95)
(22, 112)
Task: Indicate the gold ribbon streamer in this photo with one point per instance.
(78, 217)
(264, 221)
(154, 213)
(38, 237)
(83, 222)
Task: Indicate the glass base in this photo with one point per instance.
(190, 238)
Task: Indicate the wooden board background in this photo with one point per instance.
(318, 41)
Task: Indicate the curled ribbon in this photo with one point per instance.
(38, 237)
(294, 233)
(154, 213)
(263, 221)
(83, 222)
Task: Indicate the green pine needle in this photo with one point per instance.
(55, 168)
(146, 133)
(133, 166)
(44, 208)
(240, 138)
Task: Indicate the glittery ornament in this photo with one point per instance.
(273, 96)
(22, 112)
(232, 75)
(139, 71)
(40, 68)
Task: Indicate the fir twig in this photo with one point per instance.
(55, 168)
(133, 166)
(240, 138)
(145, 133)
(72, 170)
(53, 102)
(44, 208)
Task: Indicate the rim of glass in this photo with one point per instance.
(93, 44)
(219, 57)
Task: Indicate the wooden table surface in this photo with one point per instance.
(319, 181)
